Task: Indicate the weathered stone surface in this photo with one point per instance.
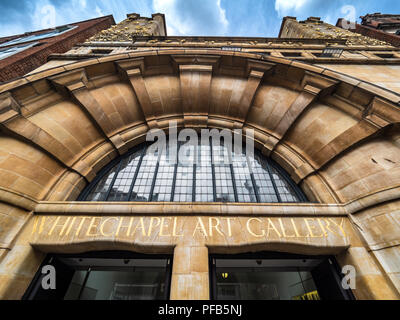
(341, 145)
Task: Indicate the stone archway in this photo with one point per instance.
(61, 126)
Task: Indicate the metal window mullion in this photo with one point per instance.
(294, 187)
(175, 174)
(233, 178)
(273, 181)
(174, 181)
(195, 160)
(253, 180)
(153, 184)
(136, 173)
(194, 182)
(213, 173)
(89, 270)
(301, 279)
(113, 180)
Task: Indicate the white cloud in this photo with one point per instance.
(11, 29)
(189, 17)
(222, 13)
(99, 12)
(46, 15)
(287, 7)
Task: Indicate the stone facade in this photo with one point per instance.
(336, 135)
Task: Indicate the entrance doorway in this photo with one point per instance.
(276, 276)
(105, 276)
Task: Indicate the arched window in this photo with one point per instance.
(142, 176)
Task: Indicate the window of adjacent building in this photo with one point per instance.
(152, 177)
(329, 53)
(231, 49)
(102, 51)
(7, 52)
(35, 37)
(291, 54)
(385, 55)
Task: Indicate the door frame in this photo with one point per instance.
(35, 284)
(334, 267)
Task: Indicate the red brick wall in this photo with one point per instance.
(378, 34)
(24, 62)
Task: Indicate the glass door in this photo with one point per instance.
(106, 276)
(272, 276)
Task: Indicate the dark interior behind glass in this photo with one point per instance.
(106, 276)
(274, 276)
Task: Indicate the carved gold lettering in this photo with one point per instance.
(311, 228)
(56, 224)
(128, 227)
(200, 226)
(322, 228)
(271, 224)
(103, 224)
(250, 230)
(70, 226)
(174, 234)
(36, 224)
(92, 225)
(152, 225)
(285, 235)
(295, 229)
(168, 226)
(216, 226)
(140, 225)
(161, 234)
(328, 227)
(80, 226)
(228, 220)
(340, 226)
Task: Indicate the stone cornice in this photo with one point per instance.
(383, 93)
(208, 209)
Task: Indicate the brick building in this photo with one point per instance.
(21, 54)
(384, 27)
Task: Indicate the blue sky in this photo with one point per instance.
(187, 17)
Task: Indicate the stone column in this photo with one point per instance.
(371, 283)
(190, 274)
(17, 270)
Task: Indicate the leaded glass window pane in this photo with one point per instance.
(223, 174)
(103, 186)
(165, 177)
(218, 175)
(285, 191)
(204, 178)
(264, 184)
(122, 185)
(184, 184)
(144, 180)
(184, 176)
(244, 184)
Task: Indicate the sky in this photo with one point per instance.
(253, 18)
